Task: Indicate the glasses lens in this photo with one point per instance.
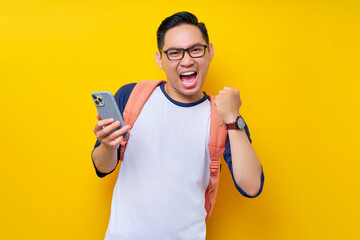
(197, 51)
(175, 54)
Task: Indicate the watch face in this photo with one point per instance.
(240, 122)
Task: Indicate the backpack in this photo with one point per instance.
(218, 135)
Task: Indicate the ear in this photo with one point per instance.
(211, 51)
(158, 59)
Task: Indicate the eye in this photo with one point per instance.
(174, 52)
(196, 49)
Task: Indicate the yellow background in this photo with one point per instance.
(296, 64)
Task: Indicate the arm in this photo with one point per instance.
(247, 169)
(105, 156)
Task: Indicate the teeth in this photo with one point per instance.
(187, 73)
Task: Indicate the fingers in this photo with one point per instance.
(114, 139)
(119, 132)
(228, 103)
(110, 135)
(225, 93)
(102, 123)
(108, 131)
(229, 89)
(113, 143)
(103, 128)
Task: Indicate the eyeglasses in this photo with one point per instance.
(174, 54)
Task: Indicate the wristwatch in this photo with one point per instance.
(238, 124)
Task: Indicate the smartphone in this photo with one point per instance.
(107, 108)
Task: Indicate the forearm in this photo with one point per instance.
(246, 166)
(105, 159)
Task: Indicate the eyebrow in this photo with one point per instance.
(195, 44)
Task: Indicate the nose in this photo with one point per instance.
(187, 60)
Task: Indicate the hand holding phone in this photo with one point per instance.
(107, 110)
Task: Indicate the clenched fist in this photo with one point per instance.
(228, 103)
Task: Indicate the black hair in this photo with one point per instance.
(176, 20)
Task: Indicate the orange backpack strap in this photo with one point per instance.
(135, 103)
(217, 141)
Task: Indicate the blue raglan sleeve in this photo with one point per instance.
(228, 160)
(121, 98)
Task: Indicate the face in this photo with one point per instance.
(185, 77)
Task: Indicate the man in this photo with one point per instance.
(160, 189)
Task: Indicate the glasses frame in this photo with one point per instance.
(185, 50)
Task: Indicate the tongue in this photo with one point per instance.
(188, 78)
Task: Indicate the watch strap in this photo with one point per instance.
(235, 125)
(229, 126)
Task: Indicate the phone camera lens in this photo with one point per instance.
(94, 97)
(100, 100)
(97, 102)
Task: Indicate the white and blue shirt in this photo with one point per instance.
(160, 190)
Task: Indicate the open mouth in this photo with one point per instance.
(188, 79)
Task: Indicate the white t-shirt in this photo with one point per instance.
(160, 190)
